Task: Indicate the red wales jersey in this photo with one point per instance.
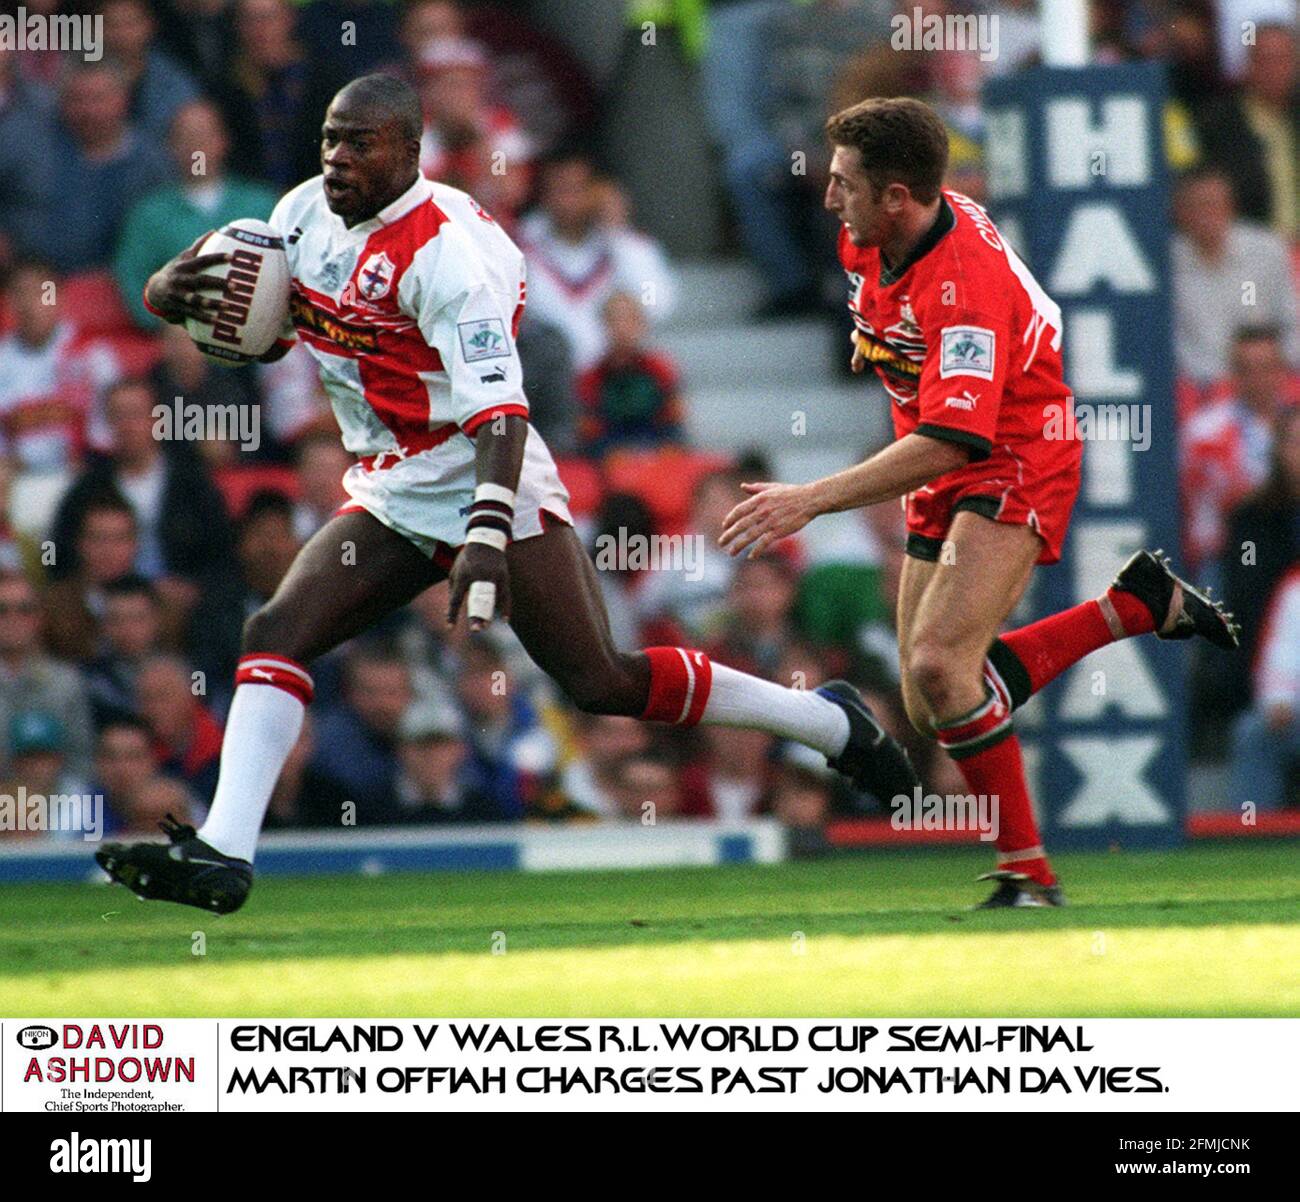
(964, 339)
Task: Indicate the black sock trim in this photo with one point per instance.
(1014, 673)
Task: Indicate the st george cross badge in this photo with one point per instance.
(376, 276)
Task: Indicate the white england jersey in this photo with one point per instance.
(411, 317)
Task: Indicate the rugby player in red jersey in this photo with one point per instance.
(968, 347)
(408, 295)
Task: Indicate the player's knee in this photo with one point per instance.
(937, 673)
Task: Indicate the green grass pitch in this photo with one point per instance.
(1212, 930)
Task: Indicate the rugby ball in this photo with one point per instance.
(255, 302)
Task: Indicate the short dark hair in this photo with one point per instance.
(390, 96)
(1256, 333)
(105, 500)
(131, 585)
(901, 140)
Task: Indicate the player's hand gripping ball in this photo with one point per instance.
(231, 288)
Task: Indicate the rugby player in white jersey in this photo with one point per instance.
(408, 295)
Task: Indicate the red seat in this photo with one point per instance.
(664, 479)
(238, 484)
(583, 480)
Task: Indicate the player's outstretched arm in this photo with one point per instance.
(479, 577)
(776, 511)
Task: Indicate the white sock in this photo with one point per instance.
(737, 699)
(263, 726)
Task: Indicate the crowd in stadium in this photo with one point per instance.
(129, 560)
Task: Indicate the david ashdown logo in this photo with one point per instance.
(923, 811)
(37, 1039)
(86, 1154)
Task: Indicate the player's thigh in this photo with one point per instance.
(557, 611)
(351, 573)
(975, 585)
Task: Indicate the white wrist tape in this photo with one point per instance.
(488, 535)
(495, 492)
(482, 600)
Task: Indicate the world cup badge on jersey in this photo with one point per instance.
(376, 276)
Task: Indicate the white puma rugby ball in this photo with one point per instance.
(255, 303)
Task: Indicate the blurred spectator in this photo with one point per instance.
(274, 96)
(647, 789)
(31, 680)
(1236, 17)
(513, 754)
(37, 756)
(624, 519)
(1251, 133)
(265, 546)
(802, 799)
(435, 782)
(547, 361)
(106, 545)
(303, 795)
(631, 395)
(124, 765)
(184, 533)
(131, 630)
(696, 601)
(26, 121)
(39, 63)
(320, 462)
(591, 779)
(758, 626)
(470, 142)
(93, 167)
(199, 33)
(1227, 447)
(756, 166)
(51, 373)
(1263, 544)
(1226, 274)
(576, 261)
(422, 22)
(185, 374)
(186, 737)
(157, 84)
(357, 740)
(19, 552)
(738, 766)
(1266, 738)
(162, 797)
(163, 223)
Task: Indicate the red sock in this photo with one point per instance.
(987, 753)
(680, 681)
(1043, 650)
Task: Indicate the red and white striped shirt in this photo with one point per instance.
(411, 317)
